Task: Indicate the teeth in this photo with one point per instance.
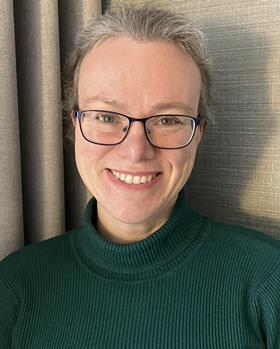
(129, 179)
(136, 180)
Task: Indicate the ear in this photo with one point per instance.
(200, 130)
(73, 118)
(203, 125)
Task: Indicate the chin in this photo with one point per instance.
(133, 210)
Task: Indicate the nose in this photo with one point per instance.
(136, 146)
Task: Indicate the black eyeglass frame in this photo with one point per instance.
(197, 121)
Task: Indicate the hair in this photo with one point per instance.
(146, 24)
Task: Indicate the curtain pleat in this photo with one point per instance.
(72, 16)
(36, 177)
(39, 98)
(11, 221)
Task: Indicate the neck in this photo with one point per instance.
(117, 231)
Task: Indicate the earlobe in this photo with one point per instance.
(203, 125)
(201, 129)
(73, 119)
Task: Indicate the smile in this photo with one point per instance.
(129, 179)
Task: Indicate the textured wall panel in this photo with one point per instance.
(237, 175)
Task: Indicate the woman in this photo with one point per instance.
(143, 271)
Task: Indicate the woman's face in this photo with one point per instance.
(138, 79)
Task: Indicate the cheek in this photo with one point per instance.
(87, 154)
(84, 150)
(183, 158)
(182, 164)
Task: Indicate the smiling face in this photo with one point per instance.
(138, 79)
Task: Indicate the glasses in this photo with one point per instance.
(162, 131)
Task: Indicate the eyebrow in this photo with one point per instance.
(172, 105)
(108, 101)
(160, 107)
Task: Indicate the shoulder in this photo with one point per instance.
(36, 250)
(35, 259)
(243, 236)
(246, 248)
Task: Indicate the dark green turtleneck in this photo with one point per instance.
(192, 284)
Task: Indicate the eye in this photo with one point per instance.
(169, 120)
(107, 118)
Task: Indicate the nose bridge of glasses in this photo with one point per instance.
(137, 134)
(133, 120)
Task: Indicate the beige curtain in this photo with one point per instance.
(237, 175)
(35, 176)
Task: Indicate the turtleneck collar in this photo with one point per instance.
(164, 249)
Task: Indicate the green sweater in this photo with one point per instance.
(194, 283)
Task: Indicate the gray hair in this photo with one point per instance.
(141, 23)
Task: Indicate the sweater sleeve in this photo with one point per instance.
(8, 315)
(268, 303)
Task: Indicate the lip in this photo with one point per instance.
(124, 185)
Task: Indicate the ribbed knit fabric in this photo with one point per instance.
(192, 284)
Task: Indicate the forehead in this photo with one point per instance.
(129, 70)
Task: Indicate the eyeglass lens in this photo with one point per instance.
(167, 131)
